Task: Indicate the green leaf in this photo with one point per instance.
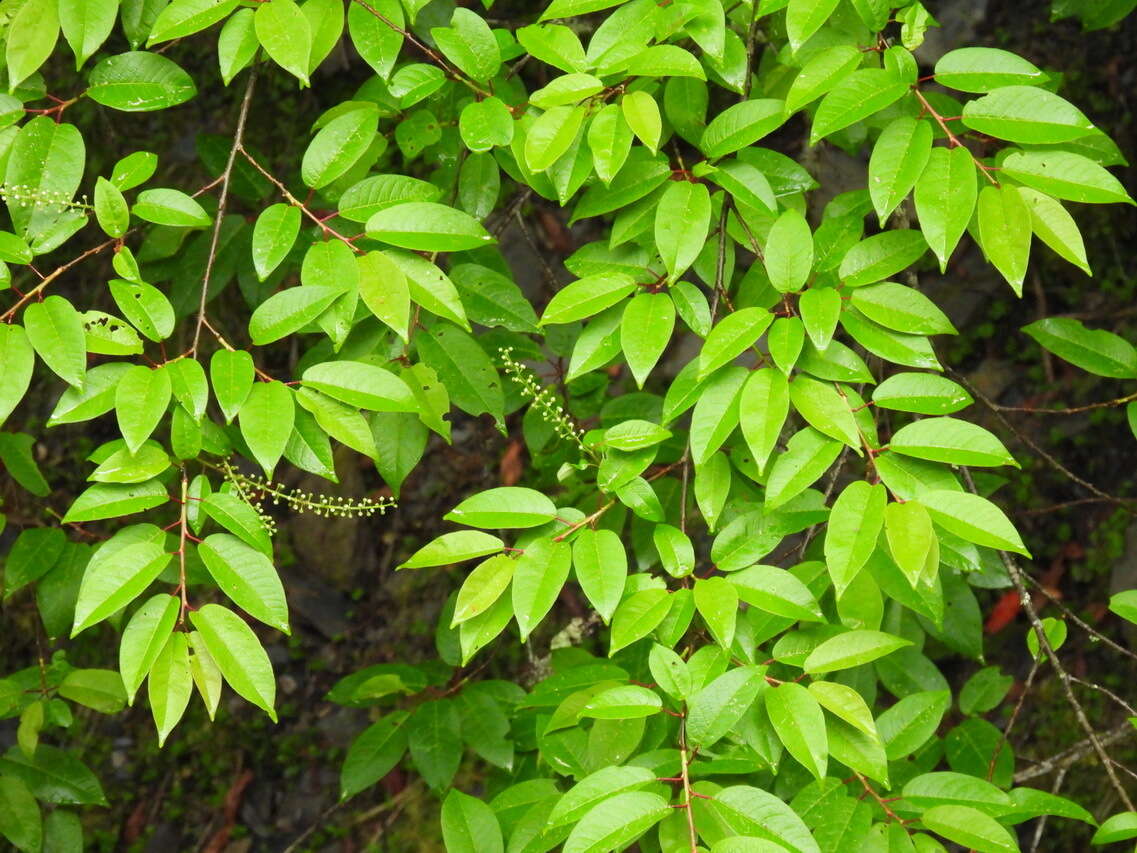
(32, 33)
(845, 703)
(55, 329)
(850, 649)
(623, 702)
(1097, 350)
(54, 775)
(609, 140)
(922, 393)
(20, 819)
(143, 638)
(486, 124)
(540, 573)
(247, 577)
(947, 788)
(911, 722)
(170, 685)
(373, 754)
(716, 600)
(1026, 114)
(716, 413)
(116, 576)
(800, 725)
(776, 591)
(820, 309)
(238, 653)
(645, 331)
(805, 17)
(285, 34)
(973, 518)
(1053, 224)
(982, 69)
(682, 218)
(361, 385)
(231, 373)
(140, 402)
(670, 672)
(596, 788)
(111, 209)
(641, 113)
(378, 42)
(505, 507)
(482, 587)
(715, 710)
(740, 126)
(601, 567)
(185, 17)
(273, 235)
(17, 359)
(46, 160)
(970, 828)
(904, 309)
(1119, 827)
(952, 441)
(1065, 175)
(619, 820)
(880, 256)
(338, 146)
(1124, 604)
(856, 97)
(469, 43)
(789, 252)
(134, 169)
(427, 226)
(763, 406)
(469, 376)
(138, 82)
(452, 548)
(752, 811)
(825, 410)
(147, 309)
(551, 135)
(898, 159)
(468, 824)
(637, 616)
(108, 500)
(732, 336)
(808, 455)
(86, 25)
(95, 398)
(171, 207)
(854, 527)
(586, 297)
(384, 290)
(289, 311)
(823, 71)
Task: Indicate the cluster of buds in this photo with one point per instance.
(257, 489)
(544, 399)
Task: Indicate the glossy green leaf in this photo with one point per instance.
(55, 330)
(601, 567)
(238, 654)
(247, 577)
(139, 81)
(850, 649)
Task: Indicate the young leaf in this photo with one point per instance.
(681, 221)
(506, 507)
(601, 566)
(247, 577)
(17, 358)
(238, 653)
(850, 649)
(231, 373)
(143, 638)
(338, 146)
(898, 159)
(456, 547)
(140, 402)
(800, 725)
(537, 580)
(115, 576)
(55, 329)
(951, 440)
(851, 535)
(483, 586)
(468, 824)
(285, 34)
(139, 81)
(645, 331)
(170, 684)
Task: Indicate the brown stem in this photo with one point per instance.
(222, 200)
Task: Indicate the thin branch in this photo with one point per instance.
(1074, 754)
(1073, 410)
(684, 763)
(1071, 616)
(1063, 678)
(434, 57)
(1125, 503)
(222, 200)
(10, 314)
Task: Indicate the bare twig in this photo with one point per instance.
(1071, 616)
(34, 292)
(222, 200)
(1074, 754)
